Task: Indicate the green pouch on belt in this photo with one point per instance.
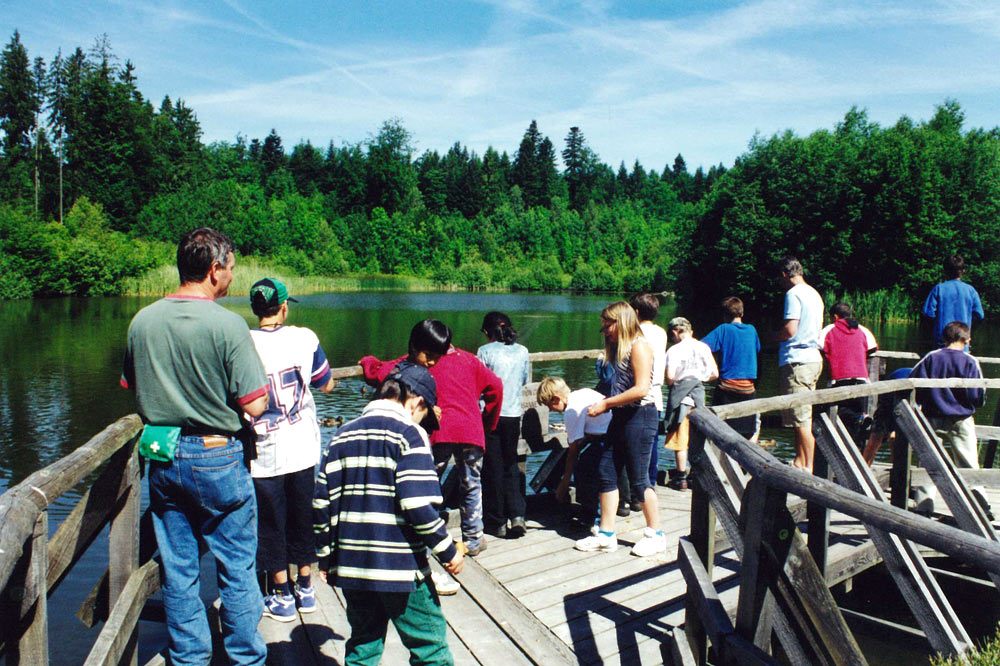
(159, 442)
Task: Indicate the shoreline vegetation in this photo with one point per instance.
(97, 184)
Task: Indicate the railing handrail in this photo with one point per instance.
(829, 395)
(952, 541)
(21, 505)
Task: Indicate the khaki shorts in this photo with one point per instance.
(798, 378)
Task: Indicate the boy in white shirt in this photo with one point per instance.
(581, 430)
(689, 364)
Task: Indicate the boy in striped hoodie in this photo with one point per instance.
(375, 521)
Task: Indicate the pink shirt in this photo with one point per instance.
(846, 350)
(461, 379)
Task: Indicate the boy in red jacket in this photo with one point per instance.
(461, 380)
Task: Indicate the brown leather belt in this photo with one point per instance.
(214, 441)
(210, 439)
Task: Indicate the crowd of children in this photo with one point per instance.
(374, 504)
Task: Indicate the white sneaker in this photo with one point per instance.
(650, 543)
(599, 541)
(444, 584)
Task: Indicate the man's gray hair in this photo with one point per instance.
(199, 250)
(790, 265)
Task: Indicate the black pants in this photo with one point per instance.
(284, 520)
(503, 480)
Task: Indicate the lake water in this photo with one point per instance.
(62, 360)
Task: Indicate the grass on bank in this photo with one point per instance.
(889, 305)
(163, 280)
(987, 654)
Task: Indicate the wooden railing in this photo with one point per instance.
(783, 590)
(32, 565)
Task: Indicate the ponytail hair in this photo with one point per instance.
(496, 326)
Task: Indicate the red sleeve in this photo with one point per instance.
(250, 397)
(375, 370)
(491, 388)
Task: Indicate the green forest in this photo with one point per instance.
(97, 183)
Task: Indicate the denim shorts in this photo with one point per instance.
(630, 442)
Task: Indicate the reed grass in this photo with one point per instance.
(986, 654)
(163, 280)
(889, 305)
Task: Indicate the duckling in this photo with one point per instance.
(331, 421)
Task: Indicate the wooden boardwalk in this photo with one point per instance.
(606, 608)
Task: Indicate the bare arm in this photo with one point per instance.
(572, 453)
(256, 407)
(642, 364)
(787, 330)
(328, 387)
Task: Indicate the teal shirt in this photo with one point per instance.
(192, 363)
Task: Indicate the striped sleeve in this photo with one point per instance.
(322, 516)
(418, 490)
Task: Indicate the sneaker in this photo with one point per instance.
(623, 511)
(517, 528)
(599, 541)
(280, 607)
(305, 599)
(678, 480)
(650, 543)
(445, 585)
(473, 548)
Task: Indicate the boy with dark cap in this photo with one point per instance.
(375, 520)
(288, 449)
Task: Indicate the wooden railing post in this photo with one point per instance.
(123, 541)
(27, 604)
(703, 540)
(899, 475)
(819, 516)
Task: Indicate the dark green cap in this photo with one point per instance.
(267, 294)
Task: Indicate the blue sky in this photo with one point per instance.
(644, 79)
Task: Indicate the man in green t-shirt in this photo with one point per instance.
(193, 366)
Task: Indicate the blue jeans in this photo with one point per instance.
(630, 435)
(469, 466)
(206, 495)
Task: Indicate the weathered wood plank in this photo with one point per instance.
(115, 636)
(762, 547)
(123, 545)
(480, 635)
(539, 644)
(33, 643)
(829, 395)
(21, 504)
(965, 508)
(714, 618)
(91, 513)
(949, 540)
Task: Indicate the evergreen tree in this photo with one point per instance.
(306, 166)
(18, 110)
(391, 180)
(580, 165)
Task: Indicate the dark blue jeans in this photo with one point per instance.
(631, 439)
(206, 495)
(503, 480)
